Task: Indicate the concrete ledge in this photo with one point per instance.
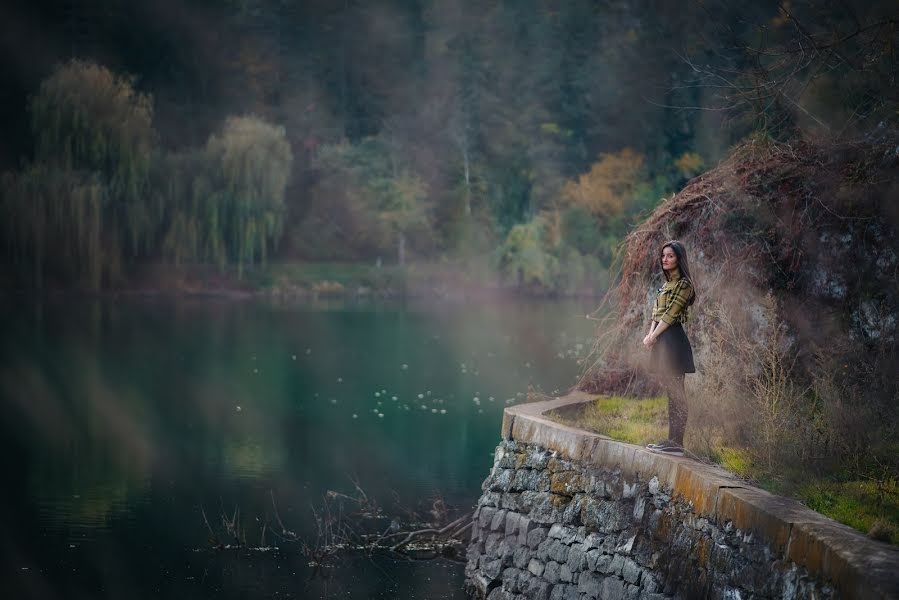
(857, 566)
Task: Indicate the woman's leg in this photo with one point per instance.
(677, 408)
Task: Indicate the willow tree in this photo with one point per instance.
(82, 201)
(225, 202)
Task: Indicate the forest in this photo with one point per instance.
(521, 139)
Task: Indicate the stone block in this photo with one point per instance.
(536, 567)
(537, 589)
(592, 556)
(492, 568)
(617, 564)
(593, 540)
(567, 483)
(489, 499)
(521, 557)
(552, 571)
(536, 536)
(631, 571)
(512, 579)
(543, 549)
(565, 573)
(491, 544)
(612, 589)
(558, 551)
(564, 591)
(577, 557)
(499, 520)
(525, 526)
(590, 585)
(557, 531)
(509, 501)
(571, 515)
(512, 519)
(537, 459)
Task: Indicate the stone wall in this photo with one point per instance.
(567, 514)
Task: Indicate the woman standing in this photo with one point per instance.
(671, 355)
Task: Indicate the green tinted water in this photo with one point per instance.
(125, 420)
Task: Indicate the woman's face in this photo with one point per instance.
(669, 259)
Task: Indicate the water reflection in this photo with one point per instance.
(127, 418)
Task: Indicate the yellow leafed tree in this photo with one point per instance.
(608, 186)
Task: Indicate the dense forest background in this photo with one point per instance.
(526, 136)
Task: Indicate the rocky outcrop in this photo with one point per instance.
(568, 514)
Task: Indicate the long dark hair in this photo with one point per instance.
(681, 253)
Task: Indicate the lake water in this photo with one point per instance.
(124, 421)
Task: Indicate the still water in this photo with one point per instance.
(126, 421)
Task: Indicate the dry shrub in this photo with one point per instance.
(793, 250)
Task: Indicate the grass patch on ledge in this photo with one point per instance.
(634, 420)
(869, 507)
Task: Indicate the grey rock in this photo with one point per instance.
(492, 568)
(537, 589)
(565, 573)
(521, 557)
(564, 591)
(552, 571)
(489, 499)
(525, 526)
(613, 589)
(538, 459)
(557, 531)
(590, 584)
(536, 567)
(512, 519)
(593, 540)
(536, 536)
(577, 558)
(617, 564)
(631, 571)
(558, 551)
(499, 519)
(512, 579)
(509, 501)
(491, 544)
(543, 549)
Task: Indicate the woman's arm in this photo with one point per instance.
(655, 333)
(648, 340)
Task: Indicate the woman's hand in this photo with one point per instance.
(648, 341)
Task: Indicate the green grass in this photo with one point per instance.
(634, 420)
(861, 505)
(858, 504)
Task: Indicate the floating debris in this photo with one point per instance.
(381, 415)
(442, 411)
(394, 398)
(421, 395)
(293, 356)
(377, 394)
(333, 400)
(404, 366)
(238, 408)
(340, 380)
(355, 416)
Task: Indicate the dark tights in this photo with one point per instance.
(677, 407)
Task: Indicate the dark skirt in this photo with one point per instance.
(672, 353)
